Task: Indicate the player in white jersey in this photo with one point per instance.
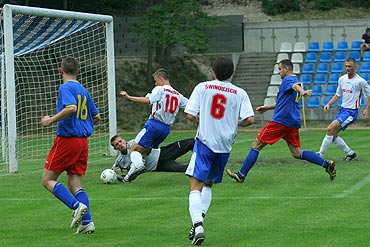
(159, 159)
(351, 87)
(217, 107)
(165, 101)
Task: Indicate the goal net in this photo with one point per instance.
(33, 43)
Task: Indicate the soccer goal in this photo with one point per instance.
(33, 43)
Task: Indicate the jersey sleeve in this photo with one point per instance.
(193, 105)
(155, 95)
(365, 88)
(246, 109)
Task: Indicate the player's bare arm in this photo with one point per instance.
(65, 113)
(193, 119)
(264, 108)
(331, 101)
(366, 110)
(144, 100)
(246, 122)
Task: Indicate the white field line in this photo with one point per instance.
(357, 186)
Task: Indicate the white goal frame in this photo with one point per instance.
(7, 60)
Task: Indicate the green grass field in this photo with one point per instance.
(284, 202)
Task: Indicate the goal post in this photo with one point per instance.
(33, 43)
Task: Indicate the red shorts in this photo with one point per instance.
(68, 154)
(272, 132)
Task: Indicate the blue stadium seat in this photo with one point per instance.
(322, 68)
(366, 56)
(365, 67)
(311, 57)
(313, 46)
(340, 56)
(325, 57)
(316, 90)
(328, 46)
(355, 55)
(330, 90)
(306, 79)
(314, 102)
(362, 102)
(333, 78)
(308, 68)
(342, 46)
(365, 76)
(355, 45)
(320, 79)
(326, 100)
(337, 68)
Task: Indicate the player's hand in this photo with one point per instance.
(308, 92)
(261, 109)
(123, 93)
(46, 121)
(326, 108)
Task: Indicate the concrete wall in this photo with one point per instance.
(267, 36)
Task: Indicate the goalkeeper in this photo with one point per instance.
(159, 159)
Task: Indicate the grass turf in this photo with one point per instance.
(284, 202)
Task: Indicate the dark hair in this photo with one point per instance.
(113, 138)
(287, 64)
(351, 60)
(367, 29)
(162, 73)
(70, 66)
(223, 68)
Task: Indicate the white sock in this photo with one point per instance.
(342, 145)
(136, 159)
(325, 143)
(206, 198)
(195, 206)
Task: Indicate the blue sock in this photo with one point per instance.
(82, 197)
(249, 161)
(313, 158)
(63, 194)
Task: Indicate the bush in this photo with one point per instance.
(325, 4)
(274, 7)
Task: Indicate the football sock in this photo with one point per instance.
(63, 194)
(249, 161)
(313, 158)
(341, 144)
(82, 197)
(325, 143)
(195, 206)
(206, 198)
(136, 158)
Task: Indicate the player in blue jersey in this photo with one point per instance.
(166, 102)
(75, 116)
(285, 124)
(351, 87)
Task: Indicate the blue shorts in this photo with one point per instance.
(153, 134)
(346, 117)
(205, 164)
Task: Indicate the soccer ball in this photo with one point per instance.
(108, 176)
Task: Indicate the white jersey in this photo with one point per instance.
(219, 106)
(166, 103)
(351, 91)
(151, 161)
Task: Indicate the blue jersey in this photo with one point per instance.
(287, 111)
(80, 123)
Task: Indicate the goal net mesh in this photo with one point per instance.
(40, 44)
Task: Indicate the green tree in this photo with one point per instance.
(175, 23)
